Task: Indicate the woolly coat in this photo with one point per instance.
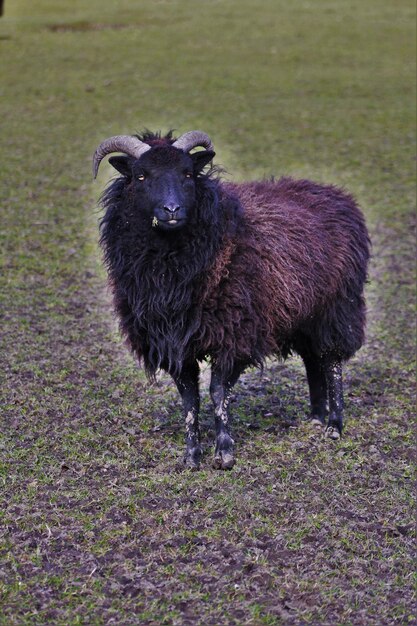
(263, 268)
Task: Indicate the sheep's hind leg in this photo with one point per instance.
(333, 369)
(187, 384)
(317, 384)
(220, 390)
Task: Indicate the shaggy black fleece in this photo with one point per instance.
(261, 268)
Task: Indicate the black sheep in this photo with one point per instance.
(231, 273)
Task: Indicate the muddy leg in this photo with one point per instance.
(187, 384)
(318, 388)
(220, 390)
(333, 369)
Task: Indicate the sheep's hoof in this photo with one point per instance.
(223, 460)
(224, 455)
(315, 420)
(332, 433)
(192, 458)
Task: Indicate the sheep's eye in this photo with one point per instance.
(141, 177)
(188, 175)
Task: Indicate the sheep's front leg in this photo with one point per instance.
(220, 391)
(333, 369)
(187, 384)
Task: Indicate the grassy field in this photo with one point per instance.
(99, 523)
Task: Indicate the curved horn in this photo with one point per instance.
(120, 143)
(192, 139)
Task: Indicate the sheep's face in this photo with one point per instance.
(163, 181)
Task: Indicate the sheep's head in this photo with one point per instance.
(162, 174)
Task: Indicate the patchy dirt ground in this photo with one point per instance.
(99, 522)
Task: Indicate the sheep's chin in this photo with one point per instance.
(170, 225)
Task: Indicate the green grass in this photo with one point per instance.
(98, 521)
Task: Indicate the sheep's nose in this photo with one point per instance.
(171, 208)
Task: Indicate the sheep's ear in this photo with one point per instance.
(200, 159)
(122, 164)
